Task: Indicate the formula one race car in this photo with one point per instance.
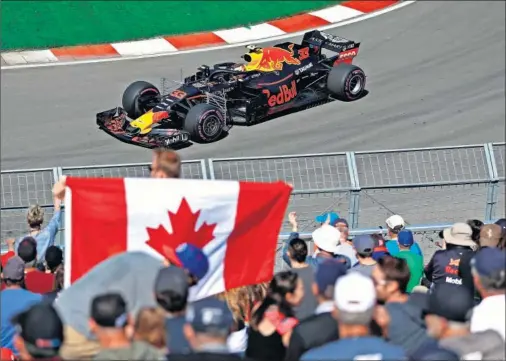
(206, 105)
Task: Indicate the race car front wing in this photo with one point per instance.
(115, 122)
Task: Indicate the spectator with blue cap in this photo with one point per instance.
(208, 324)
(395, 224)
(326, 240)
(329, 218)
(193, 260)
(364, 247)
(321, 327)
(488, 269)
(415, 262)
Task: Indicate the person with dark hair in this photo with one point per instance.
(40, 333)
(53, 258)
(171, 292)
(364, 248)
(448, 322)
(297, 253)
(355, 305)
(35, 280)
(321, 327)
(489, 273)
(273, 320)
(403, 325)
(59, 275)
(475, 225)
(112, 324)
(14, 299)
(502, 223)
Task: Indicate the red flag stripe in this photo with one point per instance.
(251, 247)
(99, 222)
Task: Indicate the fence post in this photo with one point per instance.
(57, 174)
(203, 169)
(493, 184)
(354, 203)
(211, 168)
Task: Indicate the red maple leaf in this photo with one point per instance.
(183, 224)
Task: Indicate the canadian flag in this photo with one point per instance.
(236, 224)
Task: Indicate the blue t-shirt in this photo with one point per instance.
(358, 348)
(176, 340)
(393, 248)
(13, 302)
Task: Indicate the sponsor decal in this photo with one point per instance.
(179, 94)
(334, 38)
(285, 95)
(270, 59)
(228, 90)
(348, 54)
(303, 69)
(183, 137)
(198, 85)
(453, 281)
(303, 53)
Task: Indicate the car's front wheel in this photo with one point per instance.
(346, 82)
(205, 123)
(139, 98)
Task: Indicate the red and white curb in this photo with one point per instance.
(173, 44)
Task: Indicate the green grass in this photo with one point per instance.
(43, 24)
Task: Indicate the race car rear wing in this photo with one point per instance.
(320, 40)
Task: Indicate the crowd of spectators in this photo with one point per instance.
(364, 297)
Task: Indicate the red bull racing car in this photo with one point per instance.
(206, 104)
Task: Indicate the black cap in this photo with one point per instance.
(451, 302)
(173, 279)
(41, 329)
(27, 249)
(109, 310)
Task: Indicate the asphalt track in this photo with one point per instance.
(436, 76)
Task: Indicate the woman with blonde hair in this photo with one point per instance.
(150, 327)
(44, 237)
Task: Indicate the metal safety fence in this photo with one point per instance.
(427, 186)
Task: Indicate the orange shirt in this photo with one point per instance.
(39, 282)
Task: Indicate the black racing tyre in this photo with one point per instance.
(205, 123)
(138, 98)
(346, 82)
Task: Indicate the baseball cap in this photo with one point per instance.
(490, 235)
(354, 293)
(501, 223)
(488, 261)
(41, 329)
(364, 243)
(109, 310)
(332, 217)
(210, 315)
(460, 234)
(193, 259)
(14, 269)
(450, 302)
(405, 238)
(327, 238)
(326, 276)
(436, 353)
(27, 249)
(173, 279)
(395, 221)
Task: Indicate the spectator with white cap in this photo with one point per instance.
(444, 264)
(355, 303)
(488, 269)
(395, 224)
(326, 239)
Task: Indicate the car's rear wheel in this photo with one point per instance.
(205, 123)
(139, 98)
(346, 82)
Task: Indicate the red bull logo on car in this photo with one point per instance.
(270, 59)
(284, 95)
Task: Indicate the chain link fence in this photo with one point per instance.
(427, 186)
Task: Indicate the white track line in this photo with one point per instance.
(221, 47)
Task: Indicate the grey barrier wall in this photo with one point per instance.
(427, 186)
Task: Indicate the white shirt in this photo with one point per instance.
(490, 315)
(327, 306)
(347, 250)
(237, 341)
